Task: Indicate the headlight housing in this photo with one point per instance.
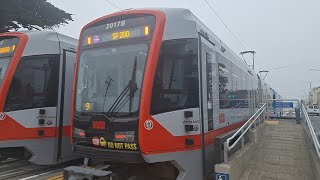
(124, 136)
(79, 133)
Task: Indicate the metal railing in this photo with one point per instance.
(312, 132)
(239, 135)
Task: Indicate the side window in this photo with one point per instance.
(176, 80)
(236, 87)
(35, 83)
(225, 82)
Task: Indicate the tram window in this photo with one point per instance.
(3, 67)
(225, 82)
(176, 80)
(35, 83)
(236, 87)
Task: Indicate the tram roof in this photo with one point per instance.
(182, 23)
(45, 42)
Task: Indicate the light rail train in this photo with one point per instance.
(36, 75)
(153, 88)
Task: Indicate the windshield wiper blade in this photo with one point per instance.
(108, 82)
(134, 86)
(131, 88)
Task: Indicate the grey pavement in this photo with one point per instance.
(281, 154)
(315, 120)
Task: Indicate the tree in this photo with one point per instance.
(31, 14)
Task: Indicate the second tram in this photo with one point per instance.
(36, 75)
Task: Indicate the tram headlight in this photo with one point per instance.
(79, 133)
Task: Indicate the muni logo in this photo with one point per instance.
(2, 116)
(148, 125)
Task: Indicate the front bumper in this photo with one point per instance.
(108, 155)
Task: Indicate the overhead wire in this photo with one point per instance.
(215, 12)
(114, 5)
(228, 28)
(219, 17)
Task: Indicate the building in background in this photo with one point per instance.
(314, 96)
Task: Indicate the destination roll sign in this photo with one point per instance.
(8, 46)
(119, 28)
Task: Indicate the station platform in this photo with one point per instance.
(282, 153)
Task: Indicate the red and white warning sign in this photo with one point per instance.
(96, 141)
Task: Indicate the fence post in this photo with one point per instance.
(267, 109)
(260, 118)
(242, 139)
(225, 152)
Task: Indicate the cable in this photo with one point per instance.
(220, 18)
(114, 5)
(244, 47)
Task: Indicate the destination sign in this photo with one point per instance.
(118, 35)
(282, 104)
(119, 28)
(8, 46)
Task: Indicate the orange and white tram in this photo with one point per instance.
(153, 88)
(36, 75)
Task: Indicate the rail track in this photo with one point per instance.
(14, 169)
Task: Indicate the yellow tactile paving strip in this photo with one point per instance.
(58, 177)
(272, 122)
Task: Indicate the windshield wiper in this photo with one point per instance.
(131, 88)
(108, 82)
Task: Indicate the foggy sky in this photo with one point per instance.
(283, 33)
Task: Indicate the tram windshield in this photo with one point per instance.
(4, 62)
(109, 79)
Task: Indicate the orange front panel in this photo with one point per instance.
(4, 87)
(11, 130)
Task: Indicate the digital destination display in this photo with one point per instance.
(117, 29)
(118, 35)
(8, 46)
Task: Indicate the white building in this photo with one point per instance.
(315, 96)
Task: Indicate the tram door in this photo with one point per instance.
(209, 100)
(64, 146)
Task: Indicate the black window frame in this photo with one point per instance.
(49, 86)
(192, 99)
